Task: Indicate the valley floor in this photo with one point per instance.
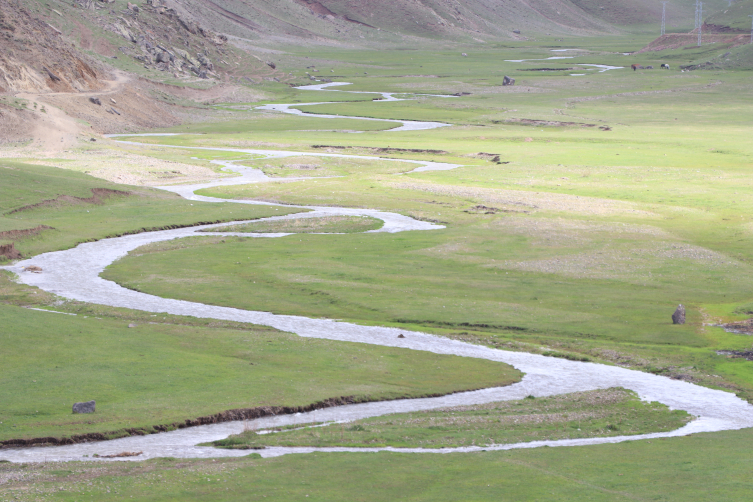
(574, 211)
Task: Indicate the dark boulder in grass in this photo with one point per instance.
(508, 81)
(87, 407)
(679, 316)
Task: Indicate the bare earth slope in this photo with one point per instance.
(397, 21)
(35, 57)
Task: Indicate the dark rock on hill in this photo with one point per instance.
(679, 316)
(87, 407)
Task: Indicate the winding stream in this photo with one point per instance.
(407, 125)
(75, 274)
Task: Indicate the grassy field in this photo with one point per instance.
(323, 225)
(48, 209)
(614, 202)
(313, 167)
(611, 412)
(158, 370)
(700, 467)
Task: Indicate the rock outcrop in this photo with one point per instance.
(87, 407)
(679, 316)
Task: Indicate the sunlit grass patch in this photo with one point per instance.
(322, 225)
(601, 413)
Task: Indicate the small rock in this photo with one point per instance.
(679, 316)
(96, 101)
(87, 407)
(508, 81)
(132, 325)
(401, 335)
(517, 32)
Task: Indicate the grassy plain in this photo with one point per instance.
(615, 201)
(700, 467)
(601, 413)
(64, 210)
(168, 369)
(323, 225)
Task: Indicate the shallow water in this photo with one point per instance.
(602, 67)
(74, 274)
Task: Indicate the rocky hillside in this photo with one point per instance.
(397, 21)
(121, 65)
(113, 65)
(34, 55)
(70, 45)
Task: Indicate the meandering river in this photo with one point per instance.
(75, 274)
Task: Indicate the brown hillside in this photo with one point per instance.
(35, 57)
(357, 22)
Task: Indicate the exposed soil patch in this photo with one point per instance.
(380, 150)
(739, 327)
(679, 40)
(481, 209)
(544, 69)
(122, 454)
(542, 123)
(326, 224)
(225, 416)
(16, 125)
(737, 354)
(98, 197)
(35, 57)
(528, 200)
(9, 252)
(487, 156)
(128, 168)
(19, 234)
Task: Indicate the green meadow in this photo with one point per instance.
(700, 467)
(61, 210)
(323, 225)
(601, 413)
(163, 370)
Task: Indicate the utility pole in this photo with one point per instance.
(697, 14)
(695, 25)
(700, 23)
(664, 18)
